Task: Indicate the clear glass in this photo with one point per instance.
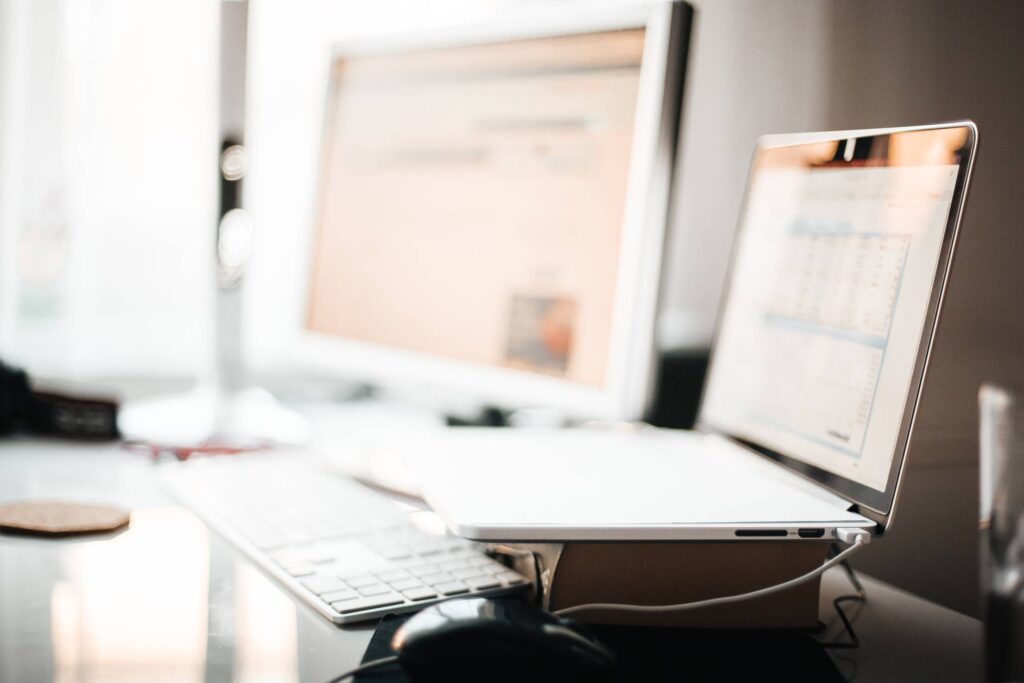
(1002, 525)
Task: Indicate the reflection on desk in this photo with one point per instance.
(166, 600)
(99, 592)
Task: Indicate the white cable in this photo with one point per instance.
(859, 540)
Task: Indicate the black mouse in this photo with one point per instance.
(475, 639)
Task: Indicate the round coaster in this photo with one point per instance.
(54, 518)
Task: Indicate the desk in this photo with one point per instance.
(167, 600)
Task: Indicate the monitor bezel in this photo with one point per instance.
(875, 504)
(629, 378)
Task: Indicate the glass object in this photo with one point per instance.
(1002, 526)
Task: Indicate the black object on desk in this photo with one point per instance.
(489, 416)
(23, 409)
(504, 640)
(678, 386)
(660, 654)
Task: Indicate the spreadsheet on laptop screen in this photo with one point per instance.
(831, 286)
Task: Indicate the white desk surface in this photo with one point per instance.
(167, 600)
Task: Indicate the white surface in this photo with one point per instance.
(367, 440)
(108, 195)
(204, 414)
(603, 484)
(108, 582)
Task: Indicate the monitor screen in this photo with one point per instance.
(834, 275)
(473, 198)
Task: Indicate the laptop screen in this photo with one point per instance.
(839, 263)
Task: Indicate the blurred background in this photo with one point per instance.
(109, 195)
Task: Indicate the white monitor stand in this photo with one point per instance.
(224, 410)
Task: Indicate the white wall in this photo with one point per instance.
(107, 185)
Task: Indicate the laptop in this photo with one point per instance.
(839, 267)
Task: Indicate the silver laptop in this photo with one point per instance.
(838, 273)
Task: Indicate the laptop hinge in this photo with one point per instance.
(877, 518)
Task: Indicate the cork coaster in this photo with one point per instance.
(53, 518)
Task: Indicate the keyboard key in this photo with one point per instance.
(339, 595)
(480, 583)
(394, 552)
(361, 580)
(318, 554)
(451, 587)
(424, 570)
(431, 550)
(427, 545)
(374, 602)
(287, 556)
(422, 593)
(323, 584)
(494, 568)
(449, 565)
(438, 577)
(510, 577)
(405, 584)
(466, 571)
(297, 570)
(392, 575)
(374, 589)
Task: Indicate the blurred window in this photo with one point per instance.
(107, 185)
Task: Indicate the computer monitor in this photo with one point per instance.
(492, 208)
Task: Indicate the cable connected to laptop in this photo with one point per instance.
(855, 538)
(858, 596)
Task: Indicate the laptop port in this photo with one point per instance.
(760, 532)
(810, 533)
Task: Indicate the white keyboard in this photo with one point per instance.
(348, 551)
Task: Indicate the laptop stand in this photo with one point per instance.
(661, 573)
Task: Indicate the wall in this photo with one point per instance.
(915, 62)
(107, 200)
(756, 68)
(761, 67)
